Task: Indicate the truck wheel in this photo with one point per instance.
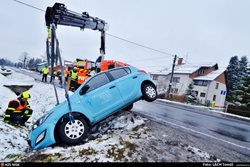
(74, 132)
(149, 92)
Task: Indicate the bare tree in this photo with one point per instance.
(24, 58)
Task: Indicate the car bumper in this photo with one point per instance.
(42, 136)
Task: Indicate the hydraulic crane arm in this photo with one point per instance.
(60, 15)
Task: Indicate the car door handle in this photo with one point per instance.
(134, 77)
(112, 87)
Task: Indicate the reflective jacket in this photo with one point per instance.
(73, 75)
(81, 77)
(45, 70)
(16, 106)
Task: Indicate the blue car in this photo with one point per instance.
(97, 98)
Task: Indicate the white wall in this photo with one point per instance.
(210, 91)
(182, 86)
(220, 99)
(201, 89)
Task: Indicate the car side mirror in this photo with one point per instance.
(84, 89)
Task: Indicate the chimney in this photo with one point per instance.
(180, 61)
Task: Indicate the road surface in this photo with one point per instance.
(219, 133)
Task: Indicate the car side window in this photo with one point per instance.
(118, 73)
(98, 81)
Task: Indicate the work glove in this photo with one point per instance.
(26, 111)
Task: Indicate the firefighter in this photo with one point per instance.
(92, 72)
(45, 72)
(18, 111)
(67, 72)
(81, 77)
(59, 75)
(66, 75)
(74, 77)
(53, 76)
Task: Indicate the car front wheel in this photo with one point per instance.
(149, 92)
(73, 132)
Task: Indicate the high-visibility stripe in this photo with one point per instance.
(6, 115)
(17, 111)
(10, 108)
(6, 121)
(28, 115)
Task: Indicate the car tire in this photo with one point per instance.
(149, 92)
(129, 107)
(72, 133)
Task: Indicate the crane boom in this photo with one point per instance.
(60, 15)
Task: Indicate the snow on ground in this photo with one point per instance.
(123, 137)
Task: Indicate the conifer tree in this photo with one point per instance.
(232, 78)
(243, 93)
(242, 69)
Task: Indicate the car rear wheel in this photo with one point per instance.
(149, 92)
(129, 107)
(73, 132)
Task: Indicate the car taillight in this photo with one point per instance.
(143, 71)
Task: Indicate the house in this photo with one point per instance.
(209, 82)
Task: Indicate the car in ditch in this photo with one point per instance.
(102, 95)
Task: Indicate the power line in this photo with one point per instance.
(146, 47)
(23, 3)
(135, 60)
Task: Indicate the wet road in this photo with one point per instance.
(227, 131)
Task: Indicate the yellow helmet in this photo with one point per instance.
(25, 95)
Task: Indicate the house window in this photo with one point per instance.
(201, 72)
(202, 94)
(200, 83)
(174, 90)
(214, 98)
(194, 93)
(176, 79)
(155, 77)
(217, 85)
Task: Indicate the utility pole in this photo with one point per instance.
(171, 78)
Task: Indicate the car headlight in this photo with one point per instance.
(41, 120)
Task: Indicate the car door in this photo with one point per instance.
(127, 83)
(102, 97)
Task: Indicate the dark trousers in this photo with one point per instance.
(73, 85)
(17, 118)
(52, 78)
(44, 78)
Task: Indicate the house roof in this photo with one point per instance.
(184, 69)
(211, 76)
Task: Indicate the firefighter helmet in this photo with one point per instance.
(25, 95)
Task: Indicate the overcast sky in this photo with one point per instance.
(197, 30)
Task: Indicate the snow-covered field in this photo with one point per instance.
(124, 137)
